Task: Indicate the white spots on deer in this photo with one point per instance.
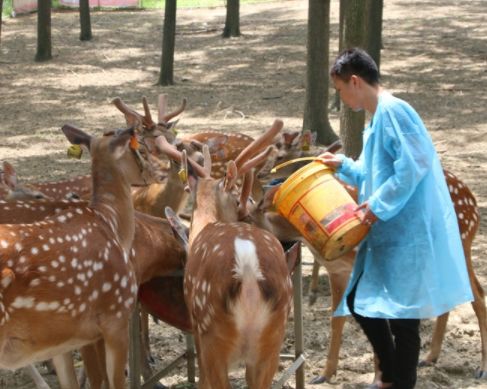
(129, 302)
(47, 306)
(106, 287)
(23, 302)
(35, 282)
(123, 282)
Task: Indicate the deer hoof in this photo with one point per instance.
(480, 374)
(426, 363)
(312, 298)
(318, 380)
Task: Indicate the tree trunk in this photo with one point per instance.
(43, 31)
(232, 21)
(317, 79)
(341, 25)
(84, 20)
(166, 76)
(374, 29)
(1, 11)
(354, 32)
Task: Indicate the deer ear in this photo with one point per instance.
(120, 142)
(76, 136)
(10, 176)
(231, 176)
(289, 137)
(267, 200)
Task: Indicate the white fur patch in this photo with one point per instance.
(246, 260)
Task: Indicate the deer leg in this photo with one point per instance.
(66, 374)
(36, 377)
(145, 355)
(480, 311)
(94, 364)
(259, 373)
(338, 274)
(436, 340)
(213, 364)
(116, 354)
(313, 286)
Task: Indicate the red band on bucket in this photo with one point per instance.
(338, 217)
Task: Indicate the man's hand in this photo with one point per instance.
(330, 160)
(368, 217)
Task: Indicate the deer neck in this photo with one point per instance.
(210, 207)
(202, 216)
(112, 200)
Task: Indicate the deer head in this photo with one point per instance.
(145, 122)
(11, 189)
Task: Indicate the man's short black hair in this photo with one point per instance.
(357, 62)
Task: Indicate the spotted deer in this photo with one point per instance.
(73, 272)
(338, 271)
(154, 243)
(236, 283)
(11, 189)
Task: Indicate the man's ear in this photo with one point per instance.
(355, 80)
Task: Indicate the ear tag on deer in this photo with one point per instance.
(183, 172)
(183, 175)
(134, 143)
(306, 141)
(75, 151)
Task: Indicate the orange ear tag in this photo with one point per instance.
(134, 143)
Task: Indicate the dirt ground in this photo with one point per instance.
(434, 56)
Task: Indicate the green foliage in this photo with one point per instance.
(7, 8)
(150, 4)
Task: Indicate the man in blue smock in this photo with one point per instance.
(411, 265)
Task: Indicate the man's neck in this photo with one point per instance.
(371, 99)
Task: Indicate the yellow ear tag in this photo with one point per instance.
(183, 175)
(134, 143)
(75, 151)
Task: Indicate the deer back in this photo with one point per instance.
(11, 189)
(466, 209)
(232, 270)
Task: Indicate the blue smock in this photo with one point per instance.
(411, 264)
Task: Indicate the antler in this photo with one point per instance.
(164, 118)
(260, 143)
(132, 117)
(172, 152)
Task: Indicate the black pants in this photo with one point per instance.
(396, 343)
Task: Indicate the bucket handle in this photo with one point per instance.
(284, 164)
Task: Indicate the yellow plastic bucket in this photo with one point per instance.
(315, 203)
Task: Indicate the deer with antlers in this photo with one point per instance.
(237, 288)
(81, 292)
